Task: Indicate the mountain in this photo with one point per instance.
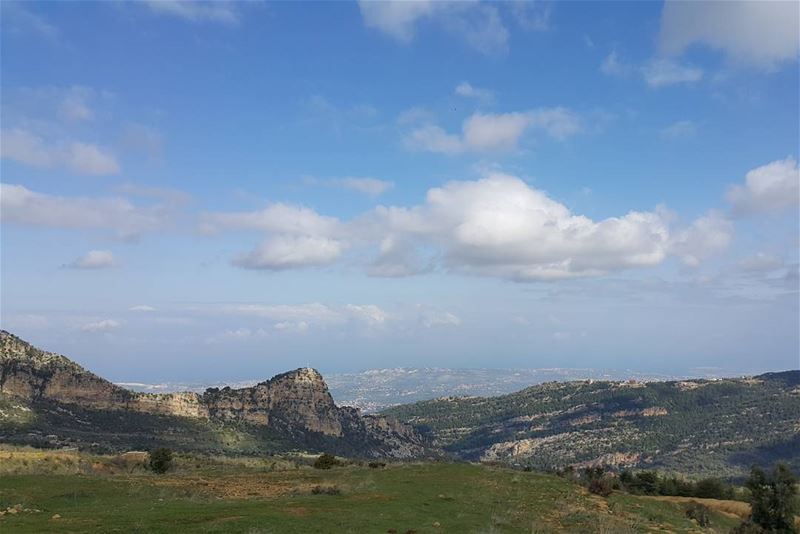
(48, 398)
(719, 426)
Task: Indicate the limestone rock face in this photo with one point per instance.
(292, 402)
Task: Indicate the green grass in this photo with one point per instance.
(230, 497)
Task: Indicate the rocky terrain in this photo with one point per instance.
(720, 426)
(43, 391)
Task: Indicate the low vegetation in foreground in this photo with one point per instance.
(68, 491)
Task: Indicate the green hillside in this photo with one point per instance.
(714, 427)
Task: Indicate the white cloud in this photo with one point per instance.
(81, 158)
(104, 325)
(298, 327)
(221, 12)
(397, 257)
(485, 132)
(23, 206)
(663, 72)
(770, 188)
(499, 226)
(707, 236)
(433, 319)
(302, 317)
(613, 66)
(479, 25)
(467, 90)
(432, 138)
(277, 217)
(74, 105)
(297, 236)
(94, 259)
(291, 251)
(533, 15)
(761, 262)
(763, 34)
(369, 313)
(680, 129)
(17, 19)
(369, 186)
(142, 308)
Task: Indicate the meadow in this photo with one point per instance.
(68, 491)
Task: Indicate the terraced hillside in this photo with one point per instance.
(697, 426)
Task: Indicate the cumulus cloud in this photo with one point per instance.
(479, 25)
(500, 226)
(467, 90)
(291, 251)
(486, 132)
(30, 149)
(705, 237)
(221, 12)
(770, 188)
(398, 257)
(20, 205)
(759, 34)
(94, 259)
(497, 226)
(104, 325)
(663, 72)
(297, 236)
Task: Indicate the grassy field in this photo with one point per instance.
(71, 492)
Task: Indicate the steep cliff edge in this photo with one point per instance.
(296, 405)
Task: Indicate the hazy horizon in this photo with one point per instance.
(228, 190)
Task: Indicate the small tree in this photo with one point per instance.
(772, 499)
(325, 461)
(161, 460)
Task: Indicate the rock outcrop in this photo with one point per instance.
(292, 403)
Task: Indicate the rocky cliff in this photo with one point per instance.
(293, 404)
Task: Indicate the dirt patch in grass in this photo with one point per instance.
(236, 487)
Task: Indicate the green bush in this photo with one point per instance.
(325, 461)
(161, 460)
(698, 512)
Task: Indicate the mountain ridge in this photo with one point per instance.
(294, 405)
(693, 426)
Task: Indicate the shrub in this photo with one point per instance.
(712, 488)
(325, 490)
(161, 460)
(325, 461)
(600, 486)
(377, 465)
(698, 512)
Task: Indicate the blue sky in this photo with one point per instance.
(227, 190)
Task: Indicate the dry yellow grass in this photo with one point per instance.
(732, 508)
